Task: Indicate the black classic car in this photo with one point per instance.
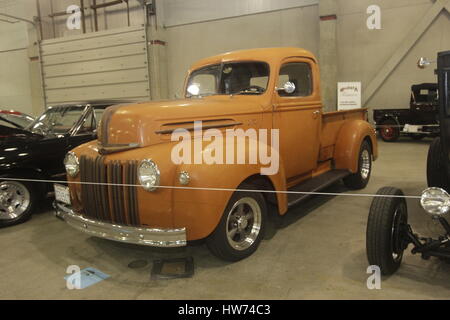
(37, 153)
(418, 122)
(388, 231)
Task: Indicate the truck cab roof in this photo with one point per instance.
(269, 55)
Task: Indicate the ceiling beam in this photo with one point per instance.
(404, 47)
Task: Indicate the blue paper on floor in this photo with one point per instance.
(88, 277)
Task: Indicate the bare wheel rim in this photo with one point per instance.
(388, 132)
(397, 222)
(14, 199)
(365, 164)
(243, 223)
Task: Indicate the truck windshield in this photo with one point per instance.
(239, 78)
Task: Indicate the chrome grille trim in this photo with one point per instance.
(108, 199)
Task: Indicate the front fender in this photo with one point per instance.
(349, 141)
(201, 205)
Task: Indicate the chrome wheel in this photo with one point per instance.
(243, 223)
(365, 164)
(14, 200)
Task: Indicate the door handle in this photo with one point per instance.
(316, 114)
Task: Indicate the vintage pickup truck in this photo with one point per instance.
(127, 186)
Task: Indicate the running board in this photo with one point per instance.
(314, 185)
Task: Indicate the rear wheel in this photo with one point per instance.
(389, 130)
(360, 179)
(17, 201)
(437, 175)
(241, 227)
(385, 235)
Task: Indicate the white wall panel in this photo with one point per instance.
(105, 65)
(179, 12)
(298, 27)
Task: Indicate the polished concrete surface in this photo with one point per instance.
(318, 252)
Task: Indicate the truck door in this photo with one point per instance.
(444, 100)
(298, 116)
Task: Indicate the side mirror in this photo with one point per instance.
(193, 90)
(423, 63)
(288, 87)
(435, 201)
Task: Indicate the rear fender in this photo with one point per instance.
(350, 138)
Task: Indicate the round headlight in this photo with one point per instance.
(435, 201)
(148, 174)
(72, 164)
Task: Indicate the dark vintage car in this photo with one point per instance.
(418, 122)
(388, 231)
(37, 153)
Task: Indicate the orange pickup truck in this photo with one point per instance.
(249, 132)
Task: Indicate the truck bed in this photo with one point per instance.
(333, 121)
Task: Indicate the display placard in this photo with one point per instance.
(349, 95)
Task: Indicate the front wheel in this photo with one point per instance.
(17, 201)
(386, 229)
(241, 227)
(360, 179)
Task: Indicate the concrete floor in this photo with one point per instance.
(317, 253)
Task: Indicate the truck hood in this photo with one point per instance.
(148, 123)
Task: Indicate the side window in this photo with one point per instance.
(299, 73)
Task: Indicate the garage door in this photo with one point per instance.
(97, 66)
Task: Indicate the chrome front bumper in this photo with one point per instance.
(143, 236)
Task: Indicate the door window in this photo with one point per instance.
(298, 73)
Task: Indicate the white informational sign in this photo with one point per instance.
(349, 95)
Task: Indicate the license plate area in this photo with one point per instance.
(62, 193)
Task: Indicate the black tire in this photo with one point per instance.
(389, 130)
(360, 179)
(437, 175)
(417, 137)
(388, 218)
(28, 209)
(218, 242)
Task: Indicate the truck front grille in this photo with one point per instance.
(107, 199)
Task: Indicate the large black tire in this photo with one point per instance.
(385, 240)
(225, 247)
(10, 194)
(360, 179)
(437, 175)
(389, 130)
